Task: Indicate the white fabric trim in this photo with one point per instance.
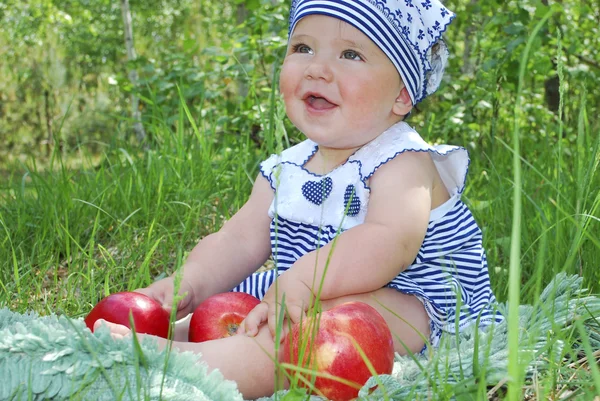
(287, 175)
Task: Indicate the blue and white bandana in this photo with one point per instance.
(405, 30)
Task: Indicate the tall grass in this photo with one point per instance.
(119, 224)
(514, 369)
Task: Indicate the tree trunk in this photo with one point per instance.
(552, 83)
(50, 137)
(140, 133)
(467, 66)
(240, 17)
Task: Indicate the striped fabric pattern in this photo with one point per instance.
(450, 273)
(289, 242)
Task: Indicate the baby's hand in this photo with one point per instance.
(297, 300)
(254, 320)
(117, 331)
(162, 292)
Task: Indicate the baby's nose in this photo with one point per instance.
(318, 69)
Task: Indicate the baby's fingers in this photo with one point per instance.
(293, 313)
(255, 318)
(296, 313)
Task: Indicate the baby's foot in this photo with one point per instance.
(117, 331)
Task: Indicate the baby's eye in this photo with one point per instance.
(302, 48)
(351, 55)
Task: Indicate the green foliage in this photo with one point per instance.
(86, 210)
(66, 75)
(231, 78)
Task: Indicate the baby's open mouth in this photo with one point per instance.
(319, 103)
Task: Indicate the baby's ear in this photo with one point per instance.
(403, 104)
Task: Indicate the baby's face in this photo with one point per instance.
(339, 88)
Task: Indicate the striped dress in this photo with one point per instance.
(449, 274)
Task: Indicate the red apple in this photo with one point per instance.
(220, 315)
(331, 349)
(149, 317)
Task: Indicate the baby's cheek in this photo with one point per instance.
(362, 94)
(288, 79)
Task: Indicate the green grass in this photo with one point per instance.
(124, 217)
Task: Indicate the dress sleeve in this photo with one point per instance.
(452, 162)
(267, 166)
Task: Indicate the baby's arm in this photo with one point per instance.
(223, 259)
(369, 255)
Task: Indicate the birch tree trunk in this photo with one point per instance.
(140, 133)
(241, 15)
(467, 66)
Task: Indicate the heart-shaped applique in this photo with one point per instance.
(351, 201)
(317, 191)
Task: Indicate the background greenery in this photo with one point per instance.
(86, 209)
(64, 124)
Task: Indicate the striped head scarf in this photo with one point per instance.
(405, 30)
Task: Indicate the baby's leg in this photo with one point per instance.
(246, 360)
(249, 360)
(407, 311)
